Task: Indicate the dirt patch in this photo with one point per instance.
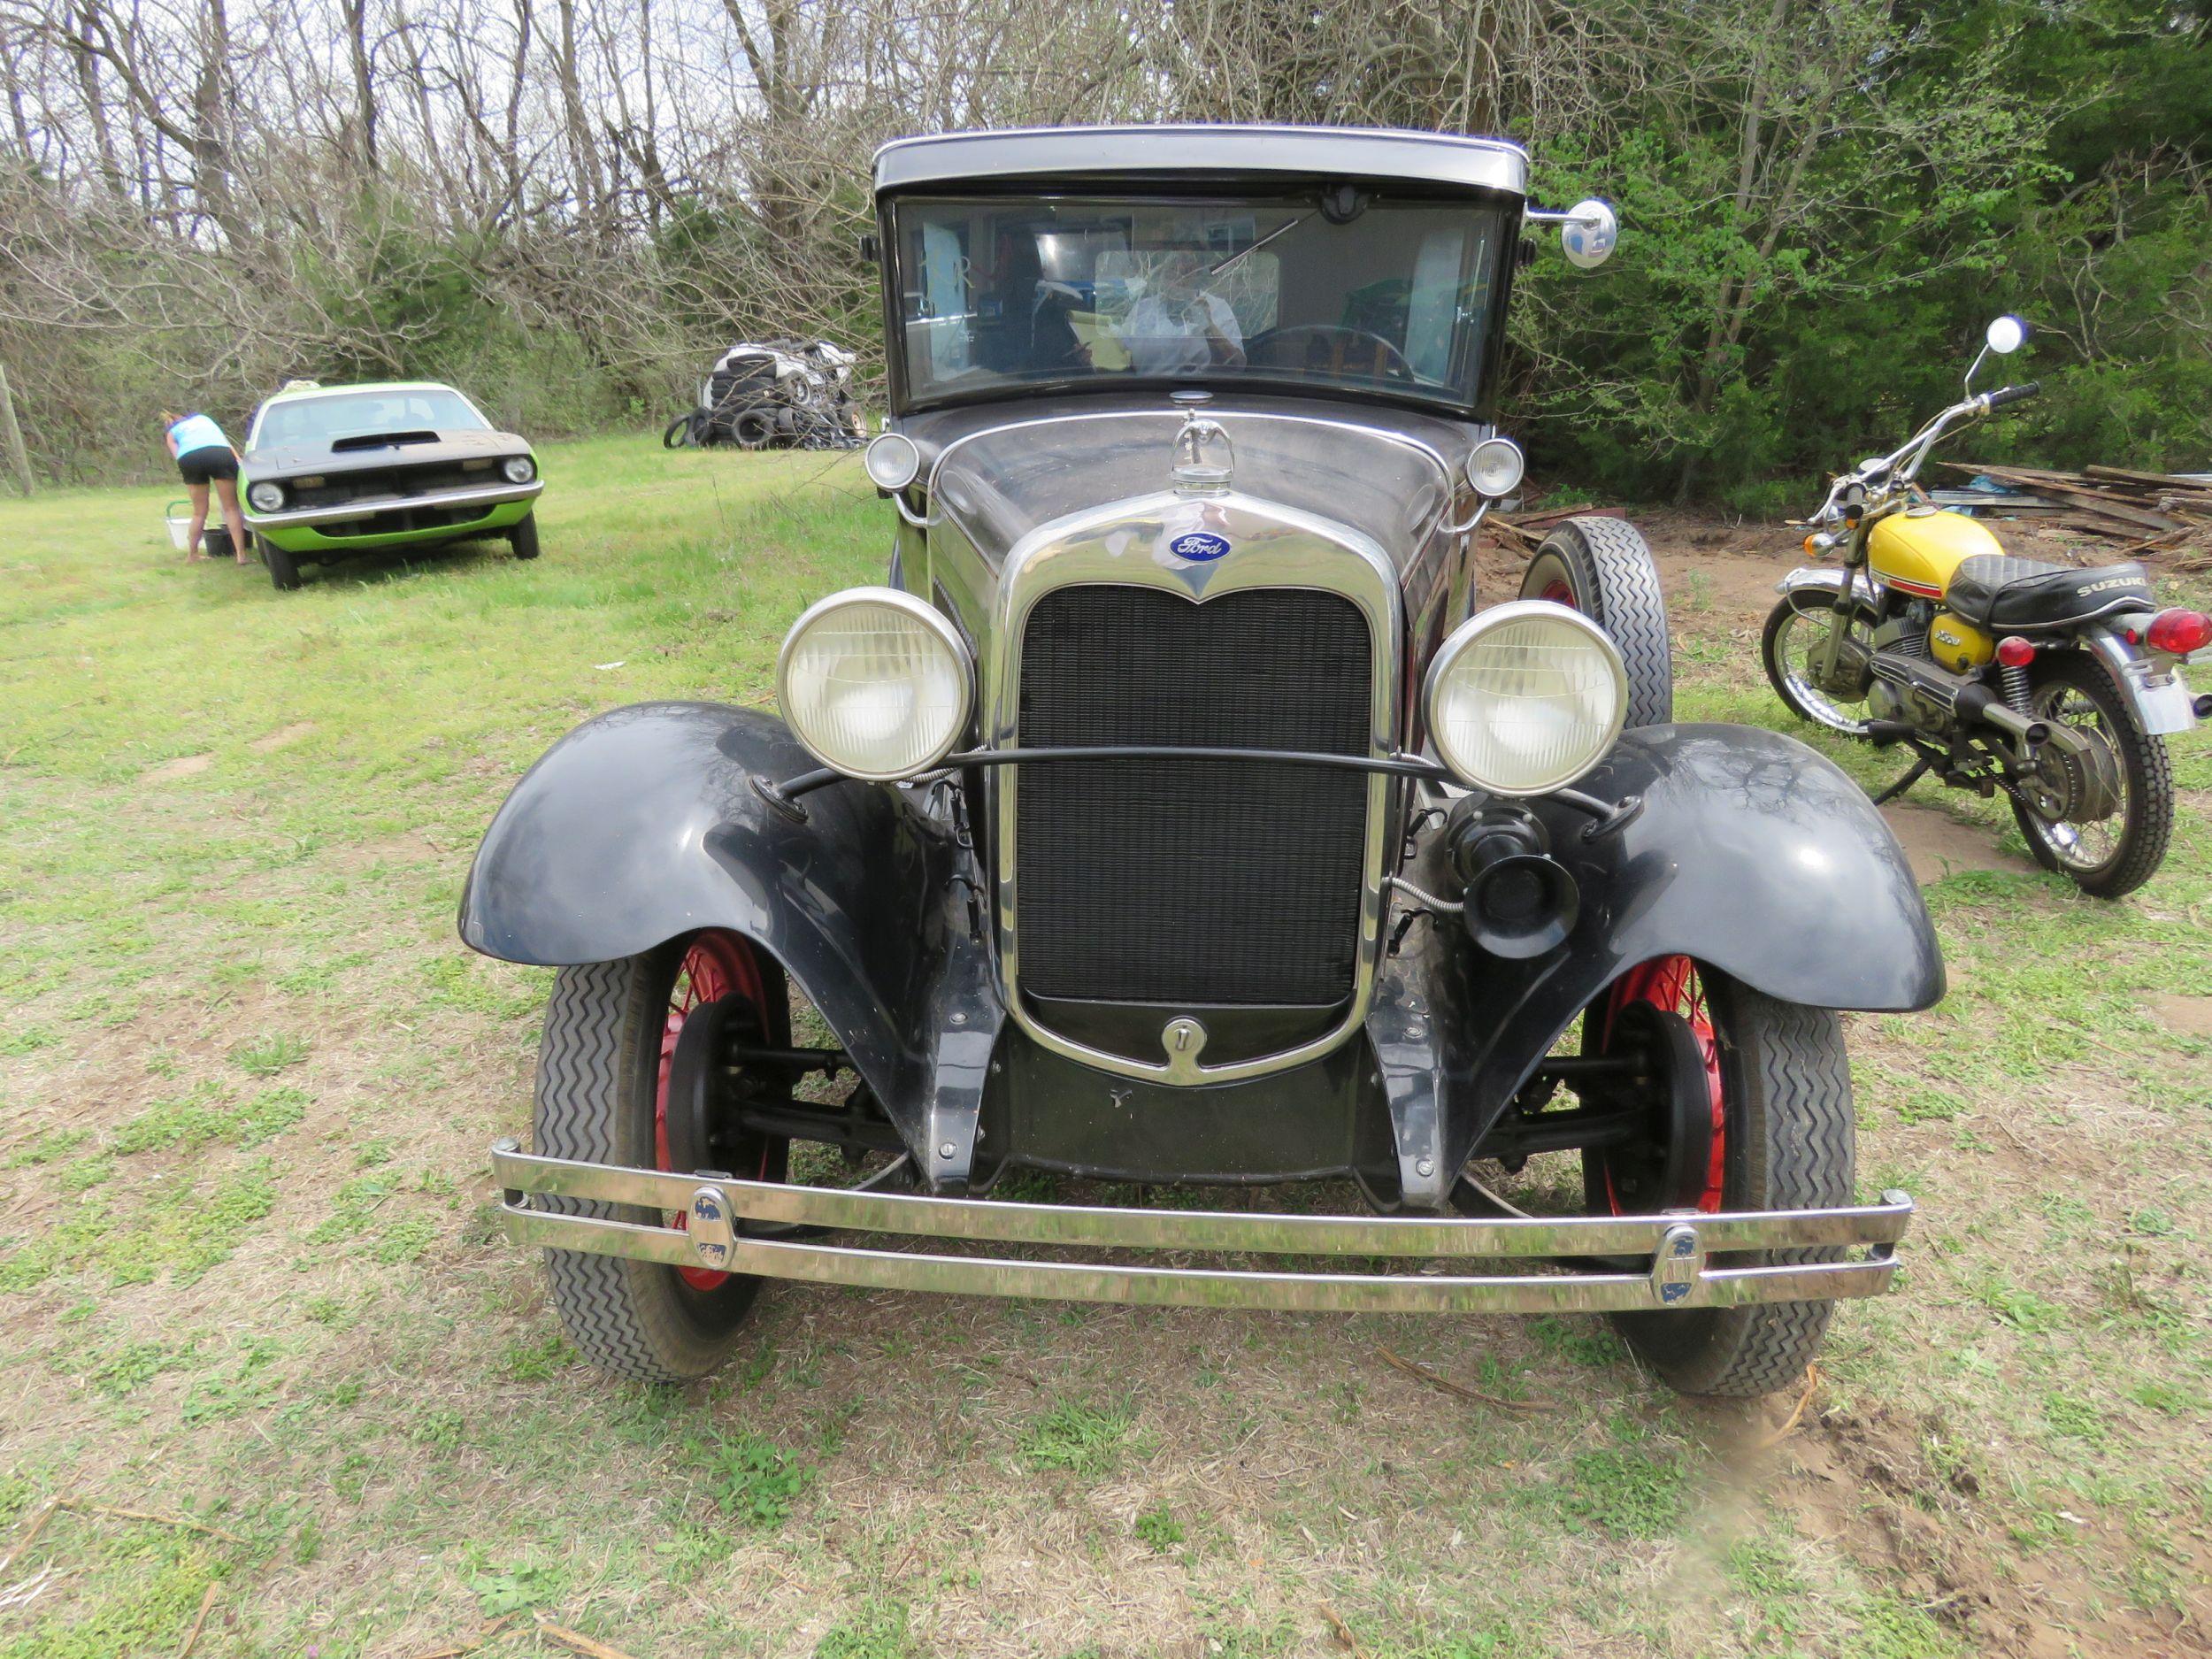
(2191, 1016)
(1937, 845)
(184, 766)
(278, 738)
(1865, 1479)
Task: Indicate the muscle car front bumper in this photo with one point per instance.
(486, 495)
(1672, 1254)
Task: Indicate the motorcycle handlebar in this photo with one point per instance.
(2005, 395)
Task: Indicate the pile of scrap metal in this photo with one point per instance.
(775, 394)
(2153, 512)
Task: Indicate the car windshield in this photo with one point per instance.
(1338, 288)
(344, 414)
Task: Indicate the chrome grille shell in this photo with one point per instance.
(1127, 544)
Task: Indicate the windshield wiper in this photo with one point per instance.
(1219, 265)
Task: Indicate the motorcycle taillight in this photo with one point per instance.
(2179, 632)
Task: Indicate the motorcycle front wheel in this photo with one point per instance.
(2123, 790)
(1796, 632)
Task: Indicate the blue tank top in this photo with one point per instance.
(197, 432)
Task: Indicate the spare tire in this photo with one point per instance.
(1602, 568)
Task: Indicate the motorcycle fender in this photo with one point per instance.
(1868, 601)
(2164, 707)
(643, 824)
(1750, 852)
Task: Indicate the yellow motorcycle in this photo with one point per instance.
(2056, 686)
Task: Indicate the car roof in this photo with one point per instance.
(295, 395)
(292, 393)
(1329, 152)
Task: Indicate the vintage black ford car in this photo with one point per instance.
(1176, 812)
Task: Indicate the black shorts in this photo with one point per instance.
(211, 461)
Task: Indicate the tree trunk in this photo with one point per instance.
(12, 435)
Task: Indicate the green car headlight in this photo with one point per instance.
(266, 496)
(520, 469)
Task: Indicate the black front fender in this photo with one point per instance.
(1751, 853)
(643, 824)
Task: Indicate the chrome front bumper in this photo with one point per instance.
(486, 495)
(1677, 1247)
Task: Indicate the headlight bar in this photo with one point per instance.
(1607, 816)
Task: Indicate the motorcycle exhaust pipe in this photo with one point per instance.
(1979, 703)
(1963, 698)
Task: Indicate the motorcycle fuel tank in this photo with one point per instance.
(1917, 551)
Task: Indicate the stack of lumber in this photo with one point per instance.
(2150, 511)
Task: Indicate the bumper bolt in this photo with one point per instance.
(1425, 1167)
(945, 1150)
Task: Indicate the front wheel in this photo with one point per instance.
(611, 1036)
(284, 571)
(2103, 816)
(1758, 1117)
(1795, 647)
(523, 538)
(1603, 568)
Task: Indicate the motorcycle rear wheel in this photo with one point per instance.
(2110, 856)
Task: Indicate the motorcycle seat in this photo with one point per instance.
(1999, 594)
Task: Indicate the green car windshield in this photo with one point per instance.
(1361, 293)
(325, 416)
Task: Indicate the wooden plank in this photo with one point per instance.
(2096, 504)
(1550, 514)
(2128, 475)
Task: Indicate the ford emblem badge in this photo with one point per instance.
(1199, 546)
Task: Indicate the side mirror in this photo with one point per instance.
(2004, 337)
(1592, 231)
(1589, 231)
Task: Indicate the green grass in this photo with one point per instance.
(248, 1078)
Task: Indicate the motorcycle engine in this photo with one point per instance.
(1906, 636)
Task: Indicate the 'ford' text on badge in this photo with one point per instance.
(1199, 546)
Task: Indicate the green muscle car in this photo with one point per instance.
(333, 471)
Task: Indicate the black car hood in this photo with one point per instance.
(279, 461)
(1002, 472)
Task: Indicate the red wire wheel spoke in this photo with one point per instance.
(1673, 985)
(717, 965)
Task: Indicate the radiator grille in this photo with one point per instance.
(1191, 882)
(338, 489)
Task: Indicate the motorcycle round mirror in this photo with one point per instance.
(2006, 334)
(1590, 234)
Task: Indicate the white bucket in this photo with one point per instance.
(180, 528)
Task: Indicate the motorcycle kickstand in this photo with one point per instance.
(1919, 769)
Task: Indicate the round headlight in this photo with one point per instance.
(266, 496)
(1525, 698)
(892, 461)
(1494, 468)
(520, 469)
(875, 683)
